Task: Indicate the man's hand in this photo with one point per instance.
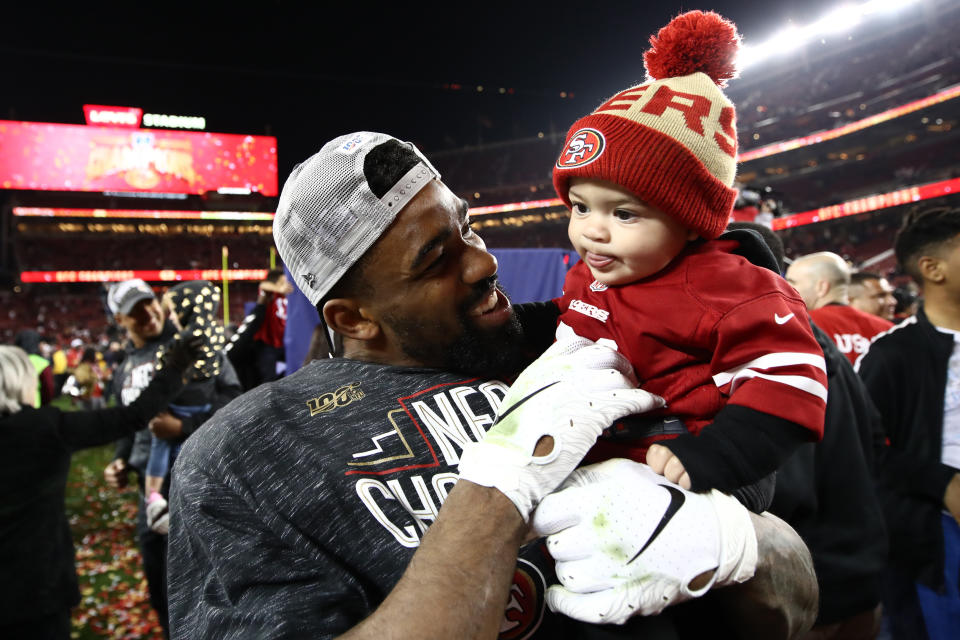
(566, 398)
(627, 541)
(283, 288)
(166, 426)
(951, 498)
(662, 461)
(116, 473)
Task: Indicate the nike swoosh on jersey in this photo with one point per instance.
(524, 399)
(783, 320)
(676, 501)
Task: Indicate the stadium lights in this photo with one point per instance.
(785, 41)
(516, 206)
(789, 39)
(882, 6)
(867, 204)
(50, 212)
(950, 93)
(154, 275)
(840, 20)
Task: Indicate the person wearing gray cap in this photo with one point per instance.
(135, 308)
(302, 509)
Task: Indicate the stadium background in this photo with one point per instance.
(846, 119)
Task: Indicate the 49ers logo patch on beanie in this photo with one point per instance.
(584, 147)
(672, 141)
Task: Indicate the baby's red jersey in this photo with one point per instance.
(708, 330)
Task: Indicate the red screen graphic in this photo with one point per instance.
(101, 116)
(64, 157)
(163, 275)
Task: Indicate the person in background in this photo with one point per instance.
(913, 375)
(74, 353)
(242, 348)
(38, 584)
(826, 492)
(767, 212)
(89, 377)
(59, 364)
(114, 354)
(871, 293)
(30, 341)
(137, 310)
(268, 340)
(747, 205)
(188, 304)
(822, 280)
(908, 301)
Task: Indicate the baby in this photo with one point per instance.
(726, 343)
(191, 306)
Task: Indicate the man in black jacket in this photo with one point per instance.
(825, 490)
(137, 310)
(913, 374)
(252, 357)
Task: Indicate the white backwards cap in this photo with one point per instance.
(328, 217)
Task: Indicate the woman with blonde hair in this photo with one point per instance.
(39, 582)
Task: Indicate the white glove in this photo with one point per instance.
(628, 541)
(572, 392)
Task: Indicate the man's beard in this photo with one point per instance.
(486, 353)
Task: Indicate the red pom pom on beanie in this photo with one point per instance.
(671, 141)
(694, 41)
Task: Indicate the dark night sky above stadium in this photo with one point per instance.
(307, 74)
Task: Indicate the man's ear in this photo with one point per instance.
(822, 287)
(931, 269)
(346, 317)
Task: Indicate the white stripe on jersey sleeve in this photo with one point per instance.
(798, 382)
(770, 361)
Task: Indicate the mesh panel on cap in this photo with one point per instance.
(328, 217)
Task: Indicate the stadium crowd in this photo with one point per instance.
(109, 251)
(915, 61)
(799, 390)
(63, 313)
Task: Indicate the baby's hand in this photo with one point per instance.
(662, 461)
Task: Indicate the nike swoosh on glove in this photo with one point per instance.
(628, 541)
(572, 393)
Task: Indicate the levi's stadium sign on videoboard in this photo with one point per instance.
(64, 157)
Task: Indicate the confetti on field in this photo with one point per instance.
(114, 602)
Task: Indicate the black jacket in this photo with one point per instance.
(36, 549)
(240, 349)
(905, 371)
(135, 374)
(826, 492)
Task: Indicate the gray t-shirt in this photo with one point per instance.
(299, 505)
